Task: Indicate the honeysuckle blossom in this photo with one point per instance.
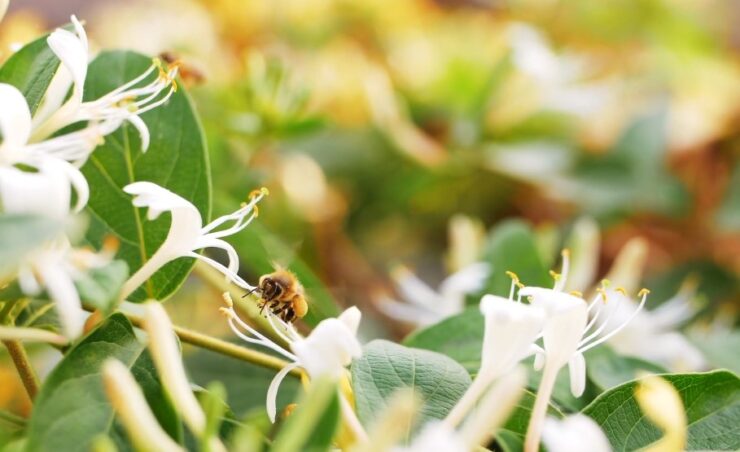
(558, 78)
(658, 327)
(492, 411)
(567, 334)
(55, 267)
(166, 356)
(426, 306)
(575, 433)
(147, 91)
(511, 329)
(326, 352)
(187, 233)
(661, 404)
(127, 400)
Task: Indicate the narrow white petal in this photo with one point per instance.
(577, 372)
(272, 390)
(62, 290)
(15, 118)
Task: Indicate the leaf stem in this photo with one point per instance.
(220, 346)
(23, 366)
(12, 419)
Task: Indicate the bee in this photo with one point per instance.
(283, 294)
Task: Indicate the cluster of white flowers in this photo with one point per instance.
(40, 159)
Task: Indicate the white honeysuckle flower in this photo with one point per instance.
(567, 335)
(558, 78)
(656, 327)
(426, 306)
(147, 91)
(511, 329)
(326, 352)
(55, 267)
(481, 424)
(187, 233)
(575, 433)
(129, 403)
(47, 192)
(3, 8)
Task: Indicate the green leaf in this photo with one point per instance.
(511, 436)
(247, 384)
(31, 69)
(607, 369)
(176, 159)
(460, 337)
(386, 367)
(21, 234)
(728, 215)
(512, 246)
(711, 400)
(99, 288)
(311, 427)
(72, 409)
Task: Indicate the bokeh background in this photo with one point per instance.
(399, 132)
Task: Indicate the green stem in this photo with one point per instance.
(12, 419)
(213, 344)
(22, 364)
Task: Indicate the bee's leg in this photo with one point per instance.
(262, 308)
(289, 315)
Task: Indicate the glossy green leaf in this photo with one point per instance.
(311, 427)
(21, 234)
(72, 409)
(711, 400)
(512, 246)
(31, 69)
(385, 367)
(99, 288)
(176, 159)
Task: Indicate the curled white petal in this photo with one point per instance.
(577, 371)
(272, 390)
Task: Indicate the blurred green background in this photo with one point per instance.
(400, 132)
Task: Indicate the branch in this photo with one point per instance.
(23, 365)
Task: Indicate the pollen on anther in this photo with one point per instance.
(264, 191)
(576, 293)
(227, 299)
(621, 290)
(555, 275)
(605, 282)
(643, 292)
(565, 252)
(226, 311)
(515, 278)
(602, 292)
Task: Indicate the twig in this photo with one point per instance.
(25, 371)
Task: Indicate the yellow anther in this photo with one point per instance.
(256, 211)
(515, 278)
(174, 85)
(565, 252)
(643, 292)
(621, 290)
(264, 191)
(255, 193)
(576, 293)
(227, 299)
(555, 275)
(226, 311)
(605, 282)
